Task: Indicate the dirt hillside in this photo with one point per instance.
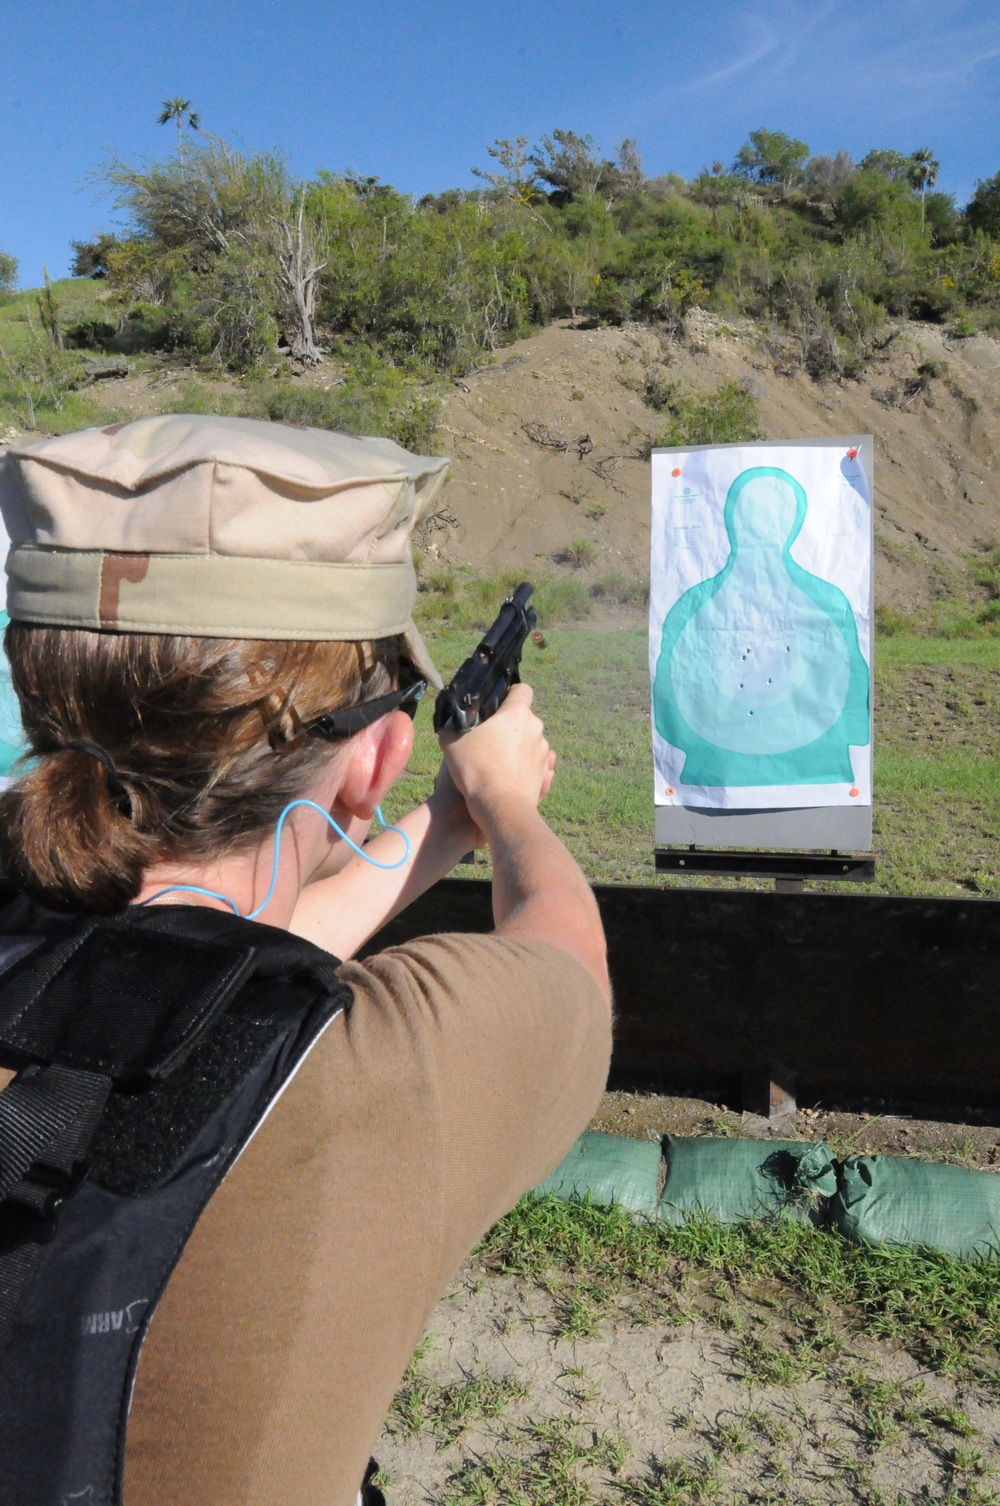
(516, 496)
(545, 441)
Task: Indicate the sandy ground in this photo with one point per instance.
(637, 1409)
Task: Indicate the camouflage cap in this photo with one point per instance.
(218, 528)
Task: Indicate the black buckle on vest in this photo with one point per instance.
(32, 1205)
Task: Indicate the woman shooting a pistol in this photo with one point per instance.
(238, 1169)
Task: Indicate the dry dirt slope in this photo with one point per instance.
(513, 500)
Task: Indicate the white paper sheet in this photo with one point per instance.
(760, 638)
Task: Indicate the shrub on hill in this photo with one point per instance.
(228, 256)
(983, 209)
(8, 275)
(726, 415)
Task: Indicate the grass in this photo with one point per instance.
(551, 1466)
(447, 1411)
(77, 299)
(818, 1285)
(937, 805)
(819, 1406)
(972, 612)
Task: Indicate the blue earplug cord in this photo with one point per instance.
(211, 894)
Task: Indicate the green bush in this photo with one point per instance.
(8, 276)
(983, 209)
(579, 553)
(374, 399)
(624, 590)
(726, 415)
(889, 622)
(369, 401)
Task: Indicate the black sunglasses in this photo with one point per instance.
(350, 719)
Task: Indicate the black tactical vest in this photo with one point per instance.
(148, 1046)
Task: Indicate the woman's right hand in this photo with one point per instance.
(504, 759)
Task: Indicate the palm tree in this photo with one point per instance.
(923, 171)
(177, 109)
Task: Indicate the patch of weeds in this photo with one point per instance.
(879, 1404)
(421, 1405)
(452, 599)
(483, 1397)
(619, 587)
(658, 390)
(193, 395)
(369, 397)
(596, 509)
(576, 395)
(458, 599)
(681, 1482)
(767, 1363)
(890, 623)
(579, 553)
(553, 1467)
(411, 1405)
(578, 1316)
(39, 387)
(727, 1315)
(773, 1427)
(583, 1391)
(736, 1437)
(576, 494)
(958, 1151)
(824, 1335)
(952, 1419)
(971, 1462)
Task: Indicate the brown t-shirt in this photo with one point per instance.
(459, 1077)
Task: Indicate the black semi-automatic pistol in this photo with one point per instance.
(481, 685)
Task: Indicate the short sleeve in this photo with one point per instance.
(517, 1037)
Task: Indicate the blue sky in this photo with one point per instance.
(416, 92)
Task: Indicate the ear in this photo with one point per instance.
(377, 757)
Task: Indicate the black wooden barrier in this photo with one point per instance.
(854, 995)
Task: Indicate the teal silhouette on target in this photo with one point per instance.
(760, 678)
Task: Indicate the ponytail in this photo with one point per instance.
(65, 837)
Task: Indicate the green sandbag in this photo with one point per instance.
(734, 1180)
(893, 1200)
(611, 1169)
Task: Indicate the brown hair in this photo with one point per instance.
(206, 734)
